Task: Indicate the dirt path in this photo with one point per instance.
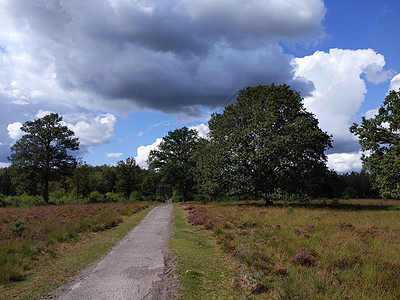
(138, 267)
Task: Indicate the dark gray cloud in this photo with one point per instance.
(174, 56)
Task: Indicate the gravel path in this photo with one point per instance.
(138, 267)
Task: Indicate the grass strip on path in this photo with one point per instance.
(54, 269)
(203, 268)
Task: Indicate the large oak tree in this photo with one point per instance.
(265, 141)
(45, 150)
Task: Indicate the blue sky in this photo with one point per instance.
(124, 73)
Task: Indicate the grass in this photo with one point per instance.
(345, 250)
(57, 241)
(203, 269)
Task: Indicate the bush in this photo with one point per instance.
(177, 198)
(136, 196)
(23, 200)
(95, 197)
(201, 198)
(112, 197)
(57, 195)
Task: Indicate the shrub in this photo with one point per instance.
(112, 197)
(136, 196)
(17, 228)
(304, 257)
(177, 198)
(22, 200)
(95, 197)
(57, 195)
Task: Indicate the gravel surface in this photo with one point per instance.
(138, 267)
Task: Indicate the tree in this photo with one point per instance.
(128, 176)
(380, 138)
(79, 180)
(45, 150)
(175, 160)
(266, 141)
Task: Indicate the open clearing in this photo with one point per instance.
(345, 250)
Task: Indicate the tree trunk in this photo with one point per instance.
(268, 202)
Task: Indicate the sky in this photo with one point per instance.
(122, 73)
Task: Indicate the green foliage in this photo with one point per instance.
(128, 176)
(95, 197)
(22, 200)
(44, 149)
(380, 137)
(112, 197)
(17, 227)
(175, 160)
(135, 196)
(266, 140)
(177, 198)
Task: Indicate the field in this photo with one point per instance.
(41, 246)
(325, 250)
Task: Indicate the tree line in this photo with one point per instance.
(265, 146)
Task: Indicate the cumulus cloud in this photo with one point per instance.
(345, 162)
(143, 153)
(14, 130)
(395, 83)
(339, 89)
(173, 56)
(202, 130)
(113, 154)
(95, 131)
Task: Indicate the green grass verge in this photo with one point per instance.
(203, 268)
(54, 269)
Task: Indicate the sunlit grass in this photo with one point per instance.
(203, 269)
(56, 241)
(309, 252)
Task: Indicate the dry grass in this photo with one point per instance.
(27, 234)
(347, 250)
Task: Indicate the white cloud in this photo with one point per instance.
(143, 153)
(113, 154)
(202, 129)
(95, 131)
(339, 89)
(19, 102)
(42, 113)
(140, 134)
(371, 113)
(14, 130)
(4, 165)
(345, 162)
(395, 83)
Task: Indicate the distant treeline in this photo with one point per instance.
(90, 184)
(86, 184)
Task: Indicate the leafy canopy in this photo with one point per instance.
(380, 138)
(175, 160)
(266, 140)
(44, 149)
(128, 176)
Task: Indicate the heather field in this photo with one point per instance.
(348, 249)
(39, 244)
